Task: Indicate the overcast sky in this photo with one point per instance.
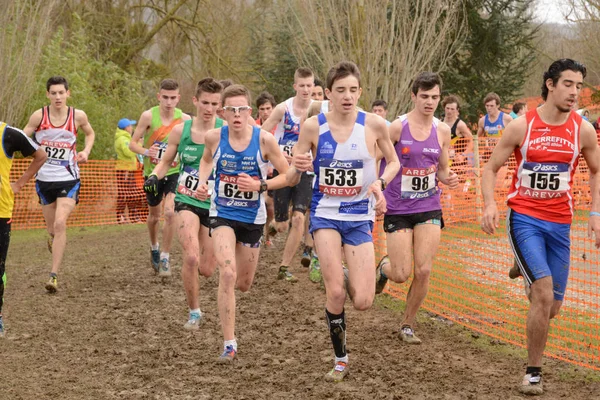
(549, 11)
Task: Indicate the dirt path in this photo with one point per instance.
(114, 331)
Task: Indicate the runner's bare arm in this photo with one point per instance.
(591, 154)
(394, 131)
(480, 130)
(206, 162)
(39, 158)
(169, 156)
(301, 159)
(142, 126)
(33, 123)
(274, 118)
(506, 118)
(510, 140)
(385, 146)
(275, 156)
(82, 122)
(444, 174)
(314, 109)
(464, 131)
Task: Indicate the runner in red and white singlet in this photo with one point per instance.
(547, 144)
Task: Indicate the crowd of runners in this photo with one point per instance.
(320, 169)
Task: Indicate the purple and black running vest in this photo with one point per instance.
(415, 188)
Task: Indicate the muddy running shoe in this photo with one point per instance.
(165, 268)
(1, 327)
(407, 334)
(52, 284)
(228, 355)
(193, 323)
(380, 279)
(532, 384)
(155, 260)
(514, 272)
(284, 274)
(306, 256)
(50, 243)
(338, 373)
(314, 273)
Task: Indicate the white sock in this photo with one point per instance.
(154, 246)
(195, 311)
(230, 343)
(343, 359)
(164, 255)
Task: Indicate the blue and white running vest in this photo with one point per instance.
(227, 201)
(344, 172)
(288, 129)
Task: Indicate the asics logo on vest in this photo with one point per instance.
(545, 168)
(340, 164)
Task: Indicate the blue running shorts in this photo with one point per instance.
(541, 249)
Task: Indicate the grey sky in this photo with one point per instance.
(549, 11)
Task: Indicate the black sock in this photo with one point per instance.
(337, 330)
(308, 249)
(53, 274)
(534, 371)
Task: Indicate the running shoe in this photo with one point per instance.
(532, 384)
(155, 260)
(338, 373)
(50, 243)
(514, 272)
(380, 279)
(1, 327)
(314, 273)
(407, 334)
(52, 284)
(165, 268)
(229, 354)
(193, 323)
(306, 256)
(284, 274)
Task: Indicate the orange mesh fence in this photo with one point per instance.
(107, 196)
(469, 283)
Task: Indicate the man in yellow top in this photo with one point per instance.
(155, 125)
(13, 140)
(129, 175)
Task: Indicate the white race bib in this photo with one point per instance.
(340, 178)
(544, 180)
(418, 183)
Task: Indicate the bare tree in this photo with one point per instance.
(390, 40)
(26, 27)
(584, 15)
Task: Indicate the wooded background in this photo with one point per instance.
(114, 53)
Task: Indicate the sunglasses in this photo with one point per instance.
(236, 110)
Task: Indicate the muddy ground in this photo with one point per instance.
(114, 331)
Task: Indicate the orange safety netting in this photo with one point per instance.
(105, 192)
(469, 283)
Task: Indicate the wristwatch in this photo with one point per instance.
(263, 186)
(383, 183)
